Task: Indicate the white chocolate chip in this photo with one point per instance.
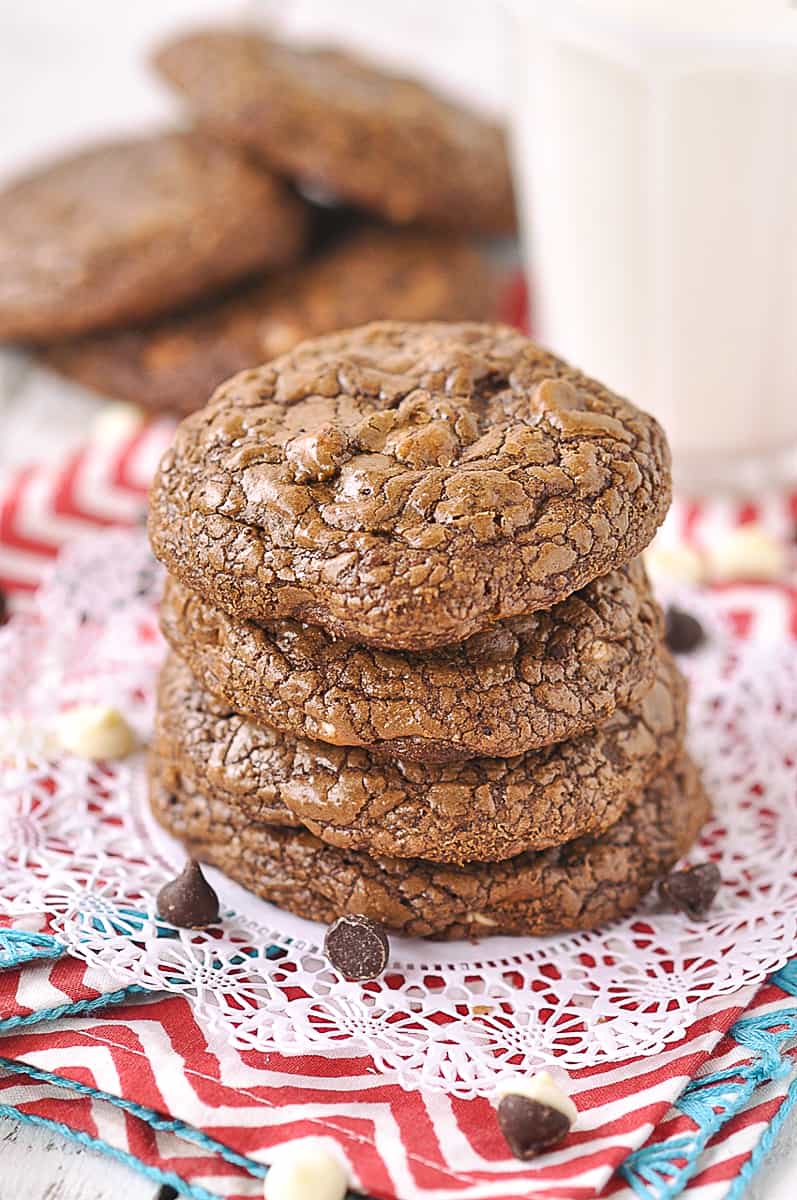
(305, 1170)
(95, 731)
(749, 552)
(116, 421)
(680, 563)
(480, 919)
(543, 1088)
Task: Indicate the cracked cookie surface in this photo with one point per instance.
(176, 363)
(483, 809)
(129, 229)
(333, 121)
(525, 683)
(576, 886)
(407, 485)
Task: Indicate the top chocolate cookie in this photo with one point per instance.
(407, 485)
(127, 230)
(330, 120)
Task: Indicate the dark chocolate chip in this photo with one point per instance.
(357, 947)
(682, 632)
(558, 647)
(3, 608)
(188, 901)
(692, 891)
(529, 1126)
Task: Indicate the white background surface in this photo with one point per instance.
(74, 70)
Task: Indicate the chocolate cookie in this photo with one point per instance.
(175, 364)
(130, 229)
(338, 123)
(485, 808)
(407, 485)
(527, 682)
(576, 886)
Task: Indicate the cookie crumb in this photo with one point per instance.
(692, 890)
(188, 901)
(95, 731)
(357, 947)
(534, 1114)
(304, 1170)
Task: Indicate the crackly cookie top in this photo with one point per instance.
(580, 885)
(407, 485)
(176, 363)
(524, 683)
(331, 120)
(485, 808)
(129, 229)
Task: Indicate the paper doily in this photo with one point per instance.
(75, 845)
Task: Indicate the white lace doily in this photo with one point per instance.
(75, 844)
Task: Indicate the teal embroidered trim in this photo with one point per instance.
(786, 978)
(17, 946)
(84, 1139)
(75, 1008)
(764, 1145)
(154, 1119)
(662, 1170)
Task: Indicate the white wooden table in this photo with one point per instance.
(37, 1165)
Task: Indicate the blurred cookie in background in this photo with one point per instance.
(127, 230)
(175, 364)
(327, 119)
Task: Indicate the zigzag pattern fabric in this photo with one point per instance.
(135, 1076)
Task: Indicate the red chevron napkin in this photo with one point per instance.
(138, 1077)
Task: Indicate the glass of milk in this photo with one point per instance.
(656, 152)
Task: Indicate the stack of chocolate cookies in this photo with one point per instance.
(417, 672)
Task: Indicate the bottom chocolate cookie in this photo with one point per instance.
(579, 885)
